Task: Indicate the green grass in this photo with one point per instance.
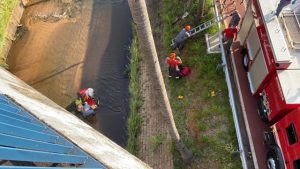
(134, 121)
(6, 8)
(208, 117)
(156, 141)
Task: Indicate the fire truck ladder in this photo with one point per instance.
(201, 27)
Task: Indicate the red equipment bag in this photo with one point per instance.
(185, 71)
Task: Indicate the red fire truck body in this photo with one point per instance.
(271, 56)
(281, 94)
(285, 134)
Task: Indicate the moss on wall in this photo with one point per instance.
(6, 11)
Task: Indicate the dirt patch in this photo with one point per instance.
(153, 125)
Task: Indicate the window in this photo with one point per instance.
(297, 164)
(291, 134)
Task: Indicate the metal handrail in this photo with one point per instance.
(297, 18)
(289, 36)
(232, 103)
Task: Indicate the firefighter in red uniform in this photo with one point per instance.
(87, 95)
(229, 35)
(86, 102)
(173, 63)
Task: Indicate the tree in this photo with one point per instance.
(141, 19)
(201, 5)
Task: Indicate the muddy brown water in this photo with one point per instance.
(110, 79)
(88, 48)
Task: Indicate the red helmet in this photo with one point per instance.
(82, 92)
(172, 55)
(187, 27)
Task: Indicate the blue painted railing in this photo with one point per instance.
(24, 138)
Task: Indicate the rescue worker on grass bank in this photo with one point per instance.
(181, 37)
(229, 35)
(174, 63)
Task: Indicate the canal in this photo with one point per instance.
(66, 46)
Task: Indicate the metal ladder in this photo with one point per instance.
(202, 27)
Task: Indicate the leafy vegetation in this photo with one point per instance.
(6, 9)
(156, 141)
(203, 117)
(134, 121)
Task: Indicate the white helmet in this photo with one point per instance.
(90, 92)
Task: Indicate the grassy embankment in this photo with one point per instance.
(203, 117)
(6, 8)
(134, 121)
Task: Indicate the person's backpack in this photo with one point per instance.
(185, 71)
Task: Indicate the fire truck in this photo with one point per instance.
(271, 57)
